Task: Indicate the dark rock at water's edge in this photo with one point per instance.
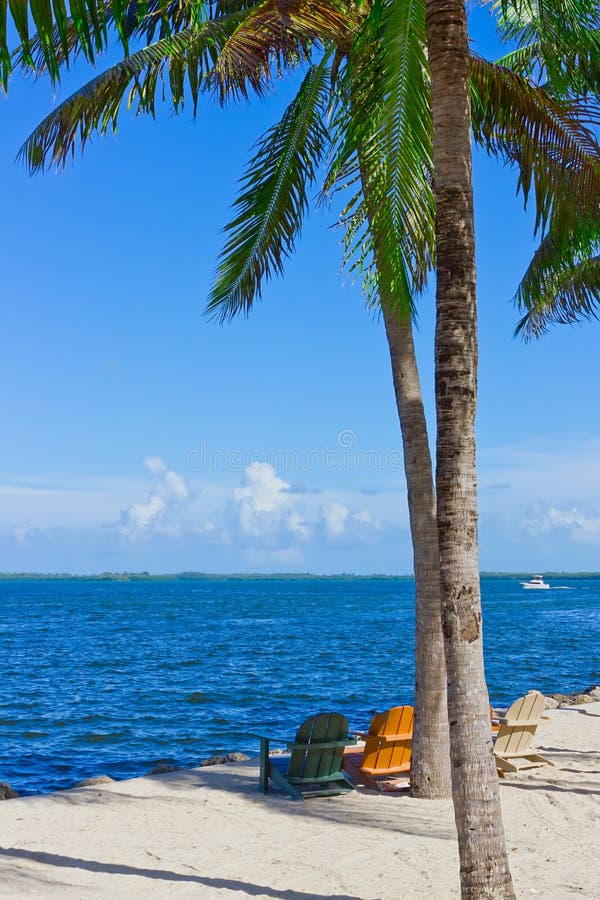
(222, 759)
(162, 769)
(92, 782)
(6, 792)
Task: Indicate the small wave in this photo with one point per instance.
(197, 697)
(100, 738)
(35, 734)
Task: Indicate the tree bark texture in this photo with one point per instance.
(484, 867)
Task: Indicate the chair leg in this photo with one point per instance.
(263, 784)
(282, 783)
(535, 757)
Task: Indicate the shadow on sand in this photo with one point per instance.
(90, 865)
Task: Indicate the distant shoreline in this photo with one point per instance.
(254, 576)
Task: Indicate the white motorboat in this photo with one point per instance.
(536, 583)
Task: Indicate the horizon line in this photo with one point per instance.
(191, 574)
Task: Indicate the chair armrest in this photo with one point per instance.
(385, 738)
(270, 738)
(266, 739)
(512, 723)
(321, 745)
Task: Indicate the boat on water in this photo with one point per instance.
(536, 583)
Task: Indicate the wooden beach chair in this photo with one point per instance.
(517, 728)
(388, 746)
(314, 766)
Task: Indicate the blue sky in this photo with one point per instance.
(139, 435)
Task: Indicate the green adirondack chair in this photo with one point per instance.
(314, 766)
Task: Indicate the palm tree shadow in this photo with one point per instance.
(90, 865)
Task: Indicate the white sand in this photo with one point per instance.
(209, 833)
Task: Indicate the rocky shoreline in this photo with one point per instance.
(590, 695)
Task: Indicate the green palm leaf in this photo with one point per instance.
(389, 152)
(274, 199)
(64, 30)
(557, 155)
(557, 39)
(52, 20)
(148, 22)
(561, 284)
(95, 107)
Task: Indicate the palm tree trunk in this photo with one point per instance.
(483, 861)
(430, 761)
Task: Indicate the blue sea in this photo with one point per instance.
(110, 677)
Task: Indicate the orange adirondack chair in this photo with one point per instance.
(388, 744)
(494, 721)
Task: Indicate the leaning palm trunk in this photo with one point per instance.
(484, 868)
(430, 769)
(430, 759)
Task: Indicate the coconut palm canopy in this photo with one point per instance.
(536, 110)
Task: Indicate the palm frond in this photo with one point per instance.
(95, 107)
(276, 34)
(557, 155)
(273, 199)
(561, 39)
(51, 20)
(144, 22)
(389, 150)
(561, 285)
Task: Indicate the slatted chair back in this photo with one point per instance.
(309, 760)
(388, 745)
(518, 725)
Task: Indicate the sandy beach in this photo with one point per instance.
(208, 832)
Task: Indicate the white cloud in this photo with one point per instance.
(155, 465)
(264, 512)
(166, 500)
(364, 517)
(335, 516)
(577, 525)
(141, 515)
(262, 488)
(22, 534)
(174, 486)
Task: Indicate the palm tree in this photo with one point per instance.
(483, 859)
(215, 55)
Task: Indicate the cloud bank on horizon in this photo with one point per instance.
(537, 511)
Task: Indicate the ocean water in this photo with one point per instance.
(109, 677)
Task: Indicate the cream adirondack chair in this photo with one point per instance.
(517, 728)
